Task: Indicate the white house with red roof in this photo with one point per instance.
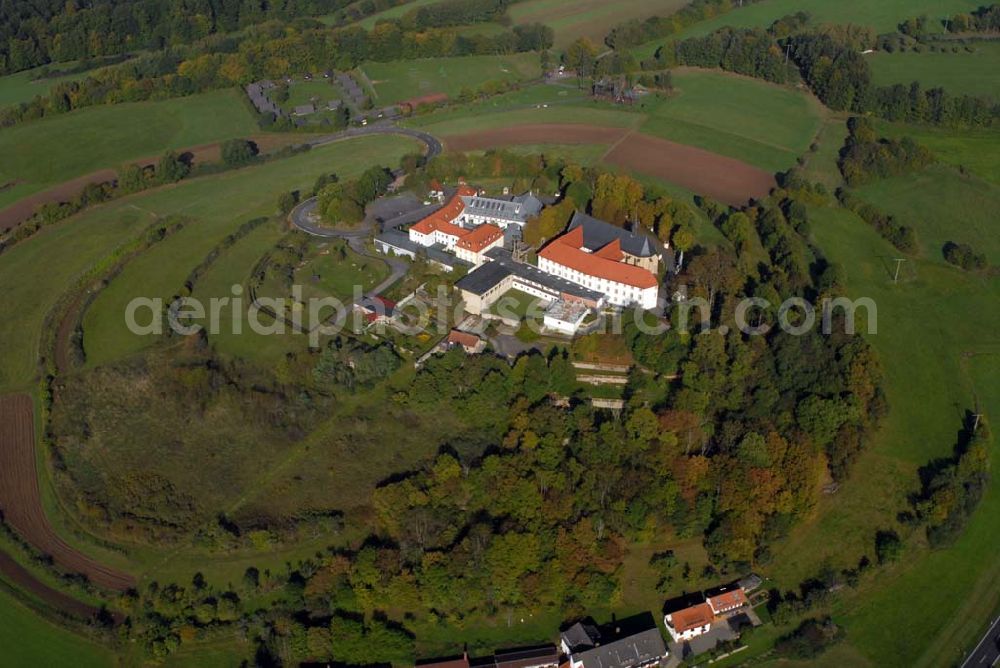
(473, 246)
(605, 258)
(439, 228)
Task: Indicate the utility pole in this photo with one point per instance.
(788, 47)
(899, 263)
(975, 425)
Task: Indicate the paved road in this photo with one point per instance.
(987, 652)
(433, 144)
(303, 216)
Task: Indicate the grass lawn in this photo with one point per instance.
(975, 150)
(29, 640)
(821, 165)
(402, 80)
(587, 18)
(216, 206)
(233, 268)
(515, 304)
(319, 91)
(35, 273)
(928, 324)
(43, 153)
(883, 16)
(958, 73)
(334, 270)
(756, 122)
(942, 205)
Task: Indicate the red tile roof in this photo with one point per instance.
(692, 618)
(441, 219)
(605, 263)
(464, 339)
(480, 238)
(728, 600)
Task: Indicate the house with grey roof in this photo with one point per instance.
(503, 213)
(587, 646)
(304, 110)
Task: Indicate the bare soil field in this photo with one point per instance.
(21, 501)
(22, 577)
(702, 172)
(23, 209)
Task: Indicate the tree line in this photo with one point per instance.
(829, 59)
(637, 31)
(271, 50)
(47, 31)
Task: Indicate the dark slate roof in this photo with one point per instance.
(516, 209)
(398, 239)
(597, 234)
(580, 637)
(634, 650)
(483, 279)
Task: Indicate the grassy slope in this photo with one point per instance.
(942, 205)
(587, 18)
(759, 123)
(217, 206)
(401, 80)
(883, 15)
(975, 150)
(47, 152)
(25, 86)
(935, 315)
(958, 73)
(36, 272)
(29, 640)
(762, 124)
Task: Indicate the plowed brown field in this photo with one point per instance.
(21, 500)
(702, 172)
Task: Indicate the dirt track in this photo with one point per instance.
(21, 501)
(702, 172)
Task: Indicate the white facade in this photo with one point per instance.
(688, 634)
(435, 237)
(388, 249)
(619, 294)
(477, 257)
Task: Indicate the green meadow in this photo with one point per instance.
(759, 123)
(940, 358)
(587, 18)
(975, 150)
(958, 73)
(44, 153)
(29, 84)
(402, 80)
(883, 15)
(214, 207)
(942, 205)
(29, 640)
(36, 272)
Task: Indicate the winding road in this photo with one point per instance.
(303, 216)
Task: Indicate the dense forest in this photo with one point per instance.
(534, 497)
(46, 31)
